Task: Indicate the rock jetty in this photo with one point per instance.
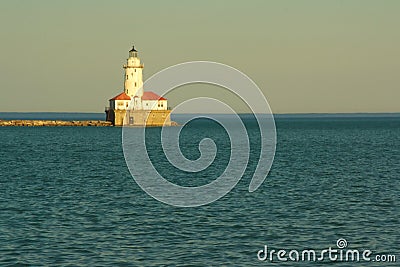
(53, 123)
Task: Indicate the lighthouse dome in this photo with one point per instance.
(133, 52)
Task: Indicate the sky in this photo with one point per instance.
(306, 56)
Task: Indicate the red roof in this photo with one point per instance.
(152, 96)
(121, 96)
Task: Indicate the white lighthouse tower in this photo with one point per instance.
(134, 106)
(133, 85)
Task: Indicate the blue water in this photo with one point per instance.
(51, 116)
(67, 197)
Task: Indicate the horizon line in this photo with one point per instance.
(239, 113)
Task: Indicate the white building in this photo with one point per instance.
(134, 98)
(120, 102)
(152, 101)
(133, 89)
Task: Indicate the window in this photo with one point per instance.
(135, 84)
(127, 77)
(135, 70)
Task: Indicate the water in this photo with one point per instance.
(51, 116)
(67, 198)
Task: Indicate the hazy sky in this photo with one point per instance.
(306, 56)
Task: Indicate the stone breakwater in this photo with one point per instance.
(53, 123)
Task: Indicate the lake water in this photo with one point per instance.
(68, 199)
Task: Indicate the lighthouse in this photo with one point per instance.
(134, 106)
(133, 85)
